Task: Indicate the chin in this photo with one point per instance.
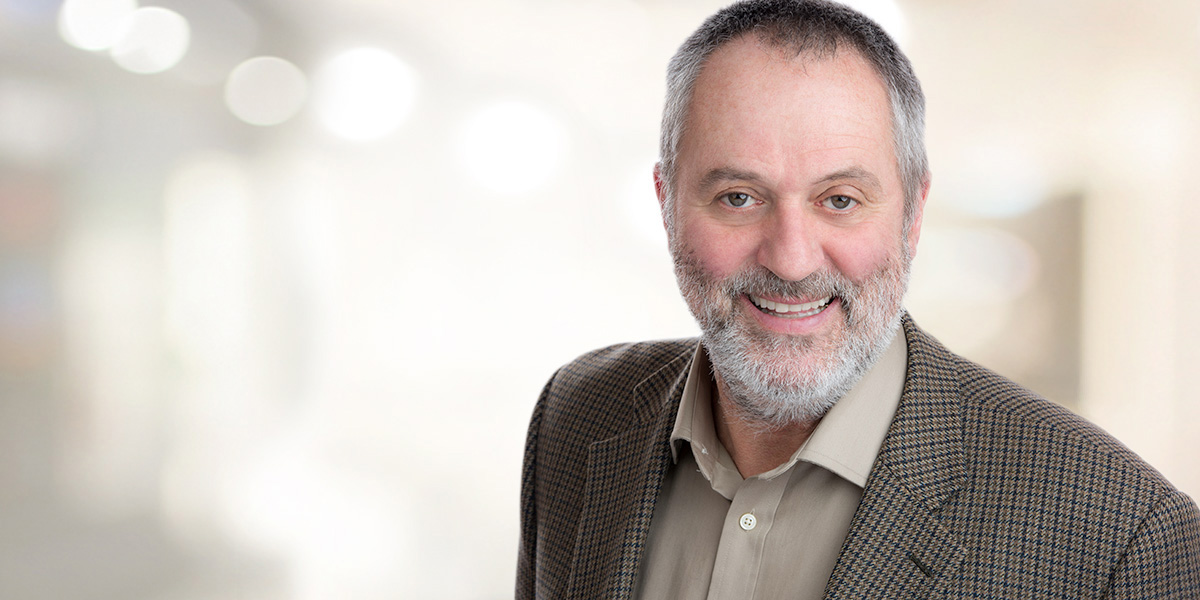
(792, 379)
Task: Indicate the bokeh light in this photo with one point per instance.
(94, 24)
(153, 41)
(512, 147)
(995, 179)
(364, 93)
(980, 265)
(266, 90)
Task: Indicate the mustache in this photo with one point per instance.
(760, 281)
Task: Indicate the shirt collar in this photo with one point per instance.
(845, 442)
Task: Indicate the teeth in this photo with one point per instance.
(792, 310)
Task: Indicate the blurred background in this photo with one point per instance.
(280, 281)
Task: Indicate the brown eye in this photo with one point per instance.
(737, 199)
(840, 202)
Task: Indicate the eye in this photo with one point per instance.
(840, 203)
(737, 199)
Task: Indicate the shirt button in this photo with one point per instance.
(748, 521)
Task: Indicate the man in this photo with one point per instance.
(815, 442)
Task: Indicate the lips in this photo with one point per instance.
(791, 311)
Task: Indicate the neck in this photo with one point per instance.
(754, 447)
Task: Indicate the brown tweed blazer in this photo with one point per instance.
(981, 490)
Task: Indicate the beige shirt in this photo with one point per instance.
(777, 534)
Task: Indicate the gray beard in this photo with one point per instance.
(760, 371)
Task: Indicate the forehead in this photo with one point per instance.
(765, 100)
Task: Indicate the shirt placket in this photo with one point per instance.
(741, 550)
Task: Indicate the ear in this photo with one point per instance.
(660, 190)
(914, 232)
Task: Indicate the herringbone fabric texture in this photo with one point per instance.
(981, 490)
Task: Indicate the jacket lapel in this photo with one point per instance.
(624, 476)
(897, 546)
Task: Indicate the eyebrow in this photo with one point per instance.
(731, 174)
(727, 174)
(858, 173)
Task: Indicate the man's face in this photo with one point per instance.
(788, 238)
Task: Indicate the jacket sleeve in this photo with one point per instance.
(527, 549)
(1163, 559)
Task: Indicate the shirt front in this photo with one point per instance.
(716, 535)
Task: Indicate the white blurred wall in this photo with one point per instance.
(295, 360)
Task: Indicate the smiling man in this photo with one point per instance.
(815, 442)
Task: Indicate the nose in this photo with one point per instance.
(790, 247)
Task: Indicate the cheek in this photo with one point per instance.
(858, 257)
(720, 251)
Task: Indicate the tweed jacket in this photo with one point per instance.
(981, 489)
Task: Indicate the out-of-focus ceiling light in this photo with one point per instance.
(266, 90)
(512, 147)
(364, 94)
(94, 24)
(153, 40)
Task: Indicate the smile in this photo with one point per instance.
(791, 311)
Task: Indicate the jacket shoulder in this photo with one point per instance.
(594, 394)
(1004, 414)
(1045, 500)
(1009, 427)
(1042, 484)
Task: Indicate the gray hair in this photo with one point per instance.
(802, 26)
